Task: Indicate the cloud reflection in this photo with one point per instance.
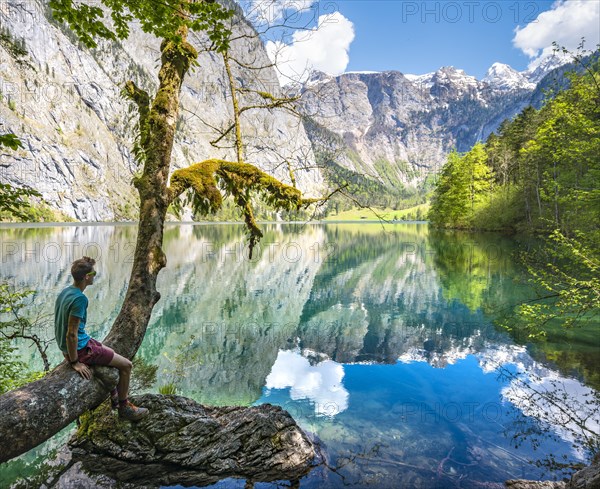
(320, 383)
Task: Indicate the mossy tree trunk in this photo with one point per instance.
(157, 132)
(37, 411)
(34, 413)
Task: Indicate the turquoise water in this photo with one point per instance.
(380, 341)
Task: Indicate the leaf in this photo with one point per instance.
(10, 141)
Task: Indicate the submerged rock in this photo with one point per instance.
(183, 442)
(525, 484)
(586, 478)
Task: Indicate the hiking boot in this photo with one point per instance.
(114, 400)
(131, 412)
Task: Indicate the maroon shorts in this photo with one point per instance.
(95, 353)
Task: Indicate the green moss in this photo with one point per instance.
(15, 47)
(267, 95)
(238, 180)
(102, 419)
(87, 424)
(158, 259)
(276, 441)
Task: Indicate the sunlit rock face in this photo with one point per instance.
(64, 102)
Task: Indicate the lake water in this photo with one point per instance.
(382, 341)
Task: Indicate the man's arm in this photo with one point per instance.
(72, 329)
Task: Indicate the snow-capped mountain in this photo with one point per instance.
(503, 77)
(545, 66)
(399, 128)
(422, 80)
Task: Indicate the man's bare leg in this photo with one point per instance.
(124, 365)
(126, 409)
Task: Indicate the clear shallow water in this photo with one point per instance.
(379, 341)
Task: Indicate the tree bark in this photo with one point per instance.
(32, 414)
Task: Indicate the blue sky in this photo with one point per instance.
(421, 36)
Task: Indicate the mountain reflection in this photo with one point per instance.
(350, 292)
(380, 339)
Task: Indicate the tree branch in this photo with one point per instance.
(210, 179)
(140, 97)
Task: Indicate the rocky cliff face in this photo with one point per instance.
(63, 101)
(399, 128)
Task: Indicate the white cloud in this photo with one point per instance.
(321, 383)
(566, 23)
(323, 48)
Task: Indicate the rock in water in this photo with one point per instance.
(183, 442)
(586, 478)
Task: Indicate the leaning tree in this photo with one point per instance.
(32, 414)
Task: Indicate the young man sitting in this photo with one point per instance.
(79, 349)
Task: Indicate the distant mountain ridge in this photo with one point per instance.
(63, 102)
(398, 128)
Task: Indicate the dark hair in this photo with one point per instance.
(81, 267)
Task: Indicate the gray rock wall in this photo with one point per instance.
(63, 101)
(401, 128)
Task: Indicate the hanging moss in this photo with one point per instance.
(200, 177)
(239, 180)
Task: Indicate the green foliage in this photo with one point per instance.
(10, 141)
(15, 47)
(169, 389)
(469, 267)
(14, 325)
(388, 173)
(143, 375)
(14, 372)
(367, 191)
(500, 208)
(163, 19)
(539, 173)
(567, 275)
(14, 202)
(11, 368)
(449, 203)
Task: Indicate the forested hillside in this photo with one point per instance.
(540, 171)
(539, 175)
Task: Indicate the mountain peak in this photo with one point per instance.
(449, 75)
(503, 77)
(544, 66)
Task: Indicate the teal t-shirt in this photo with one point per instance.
(71, 301)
